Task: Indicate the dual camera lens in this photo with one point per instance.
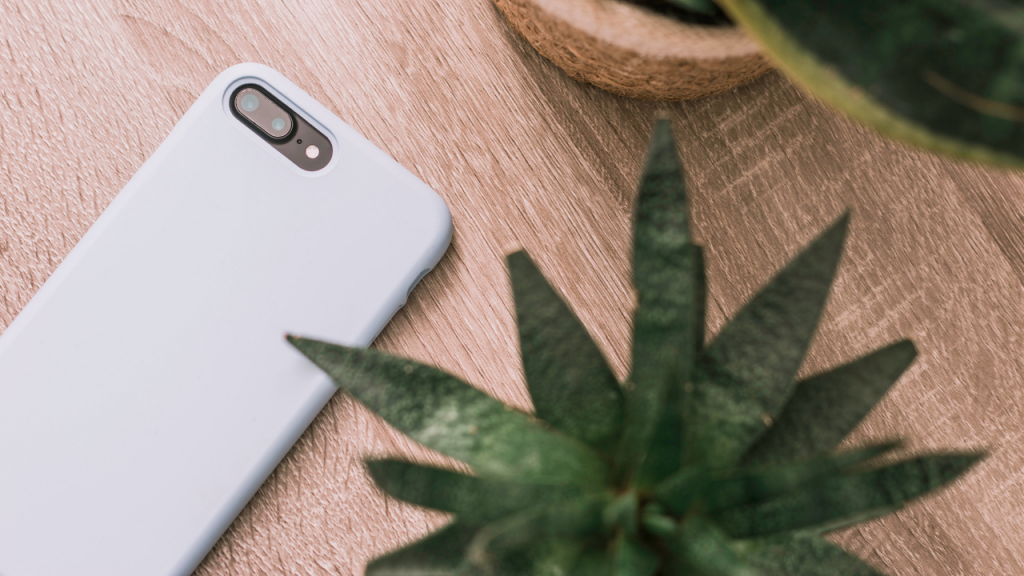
(264, 113)
(251, 102)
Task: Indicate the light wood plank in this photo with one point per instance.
(527, 157)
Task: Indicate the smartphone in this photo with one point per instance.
(147, 390)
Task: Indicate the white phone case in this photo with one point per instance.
(147, 389)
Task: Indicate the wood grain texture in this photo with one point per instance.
(527, 157)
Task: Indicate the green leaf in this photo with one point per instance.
(700, 298)
(541, 558)
(835, 500)
(656, 522)
(806, 555)
(665, 275)
(668, 444)
(473, 500)
(621, 513)
(941, 74)
(439, 554)
(759, 483)
(513, 535)
(746, 375)
(827, 407)
(631, 558)
(720, 489)
(665, 455)
(592, 563)
(444, 413)
(564, 368)
(554, 558)
(680, 492)
(707, 550)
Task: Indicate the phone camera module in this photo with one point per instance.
(263, 112)
(285, 129)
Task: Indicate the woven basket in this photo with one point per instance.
(634, 52)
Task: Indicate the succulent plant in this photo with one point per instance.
(711, 459)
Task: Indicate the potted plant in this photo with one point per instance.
(641, 48)
(711, 459)
(943, 75)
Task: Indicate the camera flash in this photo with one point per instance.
(312, 151)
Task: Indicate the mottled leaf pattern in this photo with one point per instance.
(705, 549)
(473, 499)
(746, 375)
(758, 483)
(713, 490)
(664, 272)
(569, 521)
(446, 414)
(803, 555)
(827, 407)
(831, 501)
(564, 368)
(666, 453)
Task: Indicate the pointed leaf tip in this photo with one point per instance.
(747, 373)
(848, 498)
(807, 555)
(517, 255)
(564, 368)
(949, 466)
(826, 407)
(438, 554)
(663, 129)
(843, 222)
(670, 295)
(308, 346)
(661, 205)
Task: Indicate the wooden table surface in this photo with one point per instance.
(527, 157)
